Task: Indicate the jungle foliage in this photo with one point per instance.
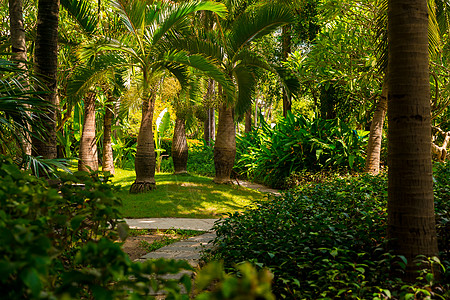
(327, 241)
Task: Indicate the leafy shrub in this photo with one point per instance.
(57, 242)
(297, 144)
(324, 241)
(201, 159)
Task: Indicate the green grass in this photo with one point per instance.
(182, 196)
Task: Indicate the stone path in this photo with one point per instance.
(189, 249)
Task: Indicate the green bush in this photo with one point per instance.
(201, 159)
(57, 241)
(297, 144)
(326, 241)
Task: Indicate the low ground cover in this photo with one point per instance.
(327, 241)
(182, 196)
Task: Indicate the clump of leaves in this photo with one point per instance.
(297, 144)
(324, 240)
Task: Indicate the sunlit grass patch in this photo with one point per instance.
(184, 196)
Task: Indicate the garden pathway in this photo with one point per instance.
(189, 249)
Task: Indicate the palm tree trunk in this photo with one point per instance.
(225, 146)
(179, 147)
(19, 50)
(248, 120)
(411, 219)
(108, 158)
(210, 121)
(88, 147)
(145, 161)
(376, 134)
(46, 66)
(286, 49)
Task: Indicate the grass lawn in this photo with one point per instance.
(182, 196)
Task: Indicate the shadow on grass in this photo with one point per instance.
(188, 196)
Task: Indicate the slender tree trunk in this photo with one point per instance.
(248, 120)
(225, 146)
(210, 121)
(179, 147)
(145, 161)
(46, 67)
(19, 50)
(376, 134)
(88, 160)
(286, 49)
(411, 220)
(108, 158)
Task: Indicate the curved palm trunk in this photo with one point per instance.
(108, 158)
(411, 220)
(376, 134)
(88, 160)
(19, 50)
(145, 161)
(179, 147)
(225, 146)
(46, 66)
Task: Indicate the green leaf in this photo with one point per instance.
(31, 279)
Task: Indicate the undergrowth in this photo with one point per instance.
(327, 241)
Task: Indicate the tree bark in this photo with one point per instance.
(248, 120)
(376, 134)
(145, 161)
(210, 121)
(108, 158)
(179, 147)
(19, 54)
(286, 49)
(46, 67)
(225, 146)
(411, 220)
(88, 160)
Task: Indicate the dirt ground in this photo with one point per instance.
(132, 247)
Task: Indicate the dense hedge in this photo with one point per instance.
(326, 241)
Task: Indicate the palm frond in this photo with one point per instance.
(247, 83)
(258, 22)
(170, 15)
(132, 14)
(83, 13)
(86, 76)
(206, 66)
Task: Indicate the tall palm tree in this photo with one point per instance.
(19, 50)
(411, 220)
(230, 44)
(46, 66)
(437, 25)
(150, 29)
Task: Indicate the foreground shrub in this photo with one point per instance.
(57, 241)
(297, 144)
(326, 241)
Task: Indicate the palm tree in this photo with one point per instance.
(150, 29)
(19, 50)
(435, 30)
(411, 220)
(46, 65)
(230, 44)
